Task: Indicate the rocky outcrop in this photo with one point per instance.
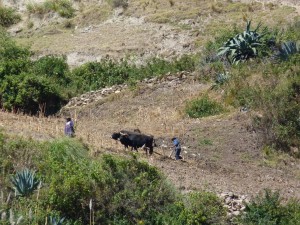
(167, 81)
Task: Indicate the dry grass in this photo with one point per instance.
(157, 112)
(122, 39)
(31, 127)
(90, 15)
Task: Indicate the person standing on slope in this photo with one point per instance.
(177, 148)
(69, 128)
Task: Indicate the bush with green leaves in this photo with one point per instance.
(243, 46)
(203, 208)
(107, 72)
(8, 16)
(13, 59)
(25, 182)
(31, 86)
(194, 208)
(63, 7)
(30, 94)
(268, 209)
(123, 189)
(203, 107)
(51, 66)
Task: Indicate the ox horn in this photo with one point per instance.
(123, 134)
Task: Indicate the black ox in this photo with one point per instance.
(135, 140)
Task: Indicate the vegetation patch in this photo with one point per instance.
(267, 208)
(8, 16)
(63, 7)
(44, 85)
(203, 107)
(77, 189)
(262, 81)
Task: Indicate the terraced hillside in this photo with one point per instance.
(222, 153)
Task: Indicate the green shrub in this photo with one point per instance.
(52, 67)
(137, 191)
(63, 7)
(30, 94)
(36, 8)
(16, 154)
(8, 17)
(211, 64)
(13, 59)
(203, 107)
(270, 88)
(194, 208)
(203, 208)
(121, 190)
(66, 173)
(107, 72)
(267, 209)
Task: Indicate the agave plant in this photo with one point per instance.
(25, 182)
(287, 49)
(221, 78)
(243, 46)
(56, 220)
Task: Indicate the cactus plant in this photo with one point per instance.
(25, 182)
(287, 49)
(56, 220)
(243, 46)
(221, 78)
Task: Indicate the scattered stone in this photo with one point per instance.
(235, 204)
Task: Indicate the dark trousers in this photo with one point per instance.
(177, 153)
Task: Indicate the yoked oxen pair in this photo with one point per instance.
(135, 140)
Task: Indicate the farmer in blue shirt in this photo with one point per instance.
(177, 148)
(69, 128)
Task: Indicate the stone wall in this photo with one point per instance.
(167, 81)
